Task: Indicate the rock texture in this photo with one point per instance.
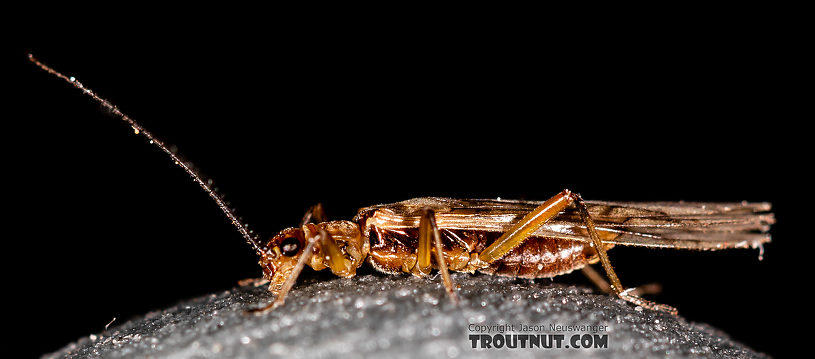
(401, 317)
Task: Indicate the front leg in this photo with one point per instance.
(255, 282)
(315, 214)
(284, 289)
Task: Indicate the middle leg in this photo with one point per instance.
(429, 235)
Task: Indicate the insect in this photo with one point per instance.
(526, 239)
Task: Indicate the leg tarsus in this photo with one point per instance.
(646, 289)
(262, 310)
(603, 286)
(255, 282)
(632, 295)
(627, 296)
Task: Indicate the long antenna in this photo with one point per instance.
(138, 129)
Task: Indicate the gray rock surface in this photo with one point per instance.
(400, 316)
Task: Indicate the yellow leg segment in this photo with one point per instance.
(429, 236)
(524, 228)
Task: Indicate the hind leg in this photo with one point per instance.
(629, 295)
(523, 229)
(603, 286)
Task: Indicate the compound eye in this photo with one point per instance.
(290, 246)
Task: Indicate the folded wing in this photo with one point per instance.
(679, 225)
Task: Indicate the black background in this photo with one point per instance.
(106, 226)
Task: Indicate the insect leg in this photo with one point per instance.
(603, 286)
(289, 283)
(530, 223)
(255, 282)
(524, 228)
(315, 214)
(596, 278)
(616, 287)
(429, 231)
(339, 265)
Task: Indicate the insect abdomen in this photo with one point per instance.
(537, 257)
(541, 257)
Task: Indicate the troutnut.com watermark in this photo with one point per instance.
(549, 336)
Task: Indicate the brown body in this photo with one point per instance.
(386, 236)
(394, 251)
